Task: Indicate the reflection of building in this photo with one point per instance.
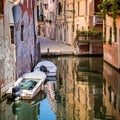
(65, 87)
(111, 96)
(23, 110)
(80, 90)
(89, 88)
(6, 111)
(50, 91)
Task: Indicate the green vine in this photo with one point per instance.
(104, 17)
(89, 32)
(103, 8)
(114, 9)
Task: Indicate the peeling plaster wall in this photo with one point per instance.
(7, 50)
(17, 58)
(25, 48)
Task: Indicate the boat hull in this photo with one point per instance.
(38, 77)
(51, 68)
(31, 96)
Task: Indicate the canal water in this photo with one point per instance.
(86, 88)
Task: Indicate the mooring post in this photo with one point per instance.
(48, 51)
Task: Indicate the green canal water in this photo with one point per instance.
(86, 88)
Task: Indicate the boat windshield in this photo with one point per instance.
(28, 84)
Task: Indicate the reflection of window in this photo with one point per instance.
(12, 34)
(22, 27)
(1, 6)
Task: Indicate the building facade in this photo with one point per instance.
(7, 46)
(47, 23)
(19, 46)
(86, 20)
(112, 34)
(73, 15)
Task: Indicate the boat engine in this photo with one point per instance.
(43, 69)
(16, 91)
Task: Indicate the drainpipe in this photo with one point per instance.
(73, 16)
(119, 54)
(64, 20)
(35, 38)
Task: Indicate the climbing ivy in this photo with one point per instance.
(103, 8)
(114, 9)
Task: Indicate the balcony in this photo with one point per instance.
(97, 20)
(88, 36)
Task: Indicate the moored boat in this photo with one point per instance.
(46, 66)
(28, 85)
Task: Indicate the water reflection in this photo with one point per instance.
(111, 95)
(46, 111)
(28, 109)
(23, 109)
(80, 89)
(85, 89)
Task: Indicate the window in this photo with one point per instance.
(96, 3)
(12, 34)
(110, 32)
(22, 27)
(85, 9)
(1, 7)
(38, 13)
(59, 8)
(115, 36)
(110, 35)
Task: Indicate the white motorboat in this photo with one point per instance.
(46, 66)
(28, 85)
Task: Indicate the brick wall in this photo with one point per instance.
(112, 51)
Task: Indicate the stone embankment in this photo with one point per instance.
(51, 47)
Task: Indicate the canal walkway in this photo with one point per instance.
(51, 47)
